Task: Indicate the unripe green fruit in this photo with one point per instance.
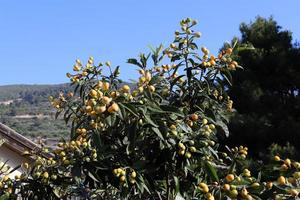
(193, 149)
(37, 174)
(191, 142)
(188, 155)
(234, 193)
(197, 34)
(53, 177)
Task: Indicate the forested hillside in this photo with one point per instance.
(26, 109)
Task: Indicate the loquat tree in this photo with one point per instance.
(153, 139)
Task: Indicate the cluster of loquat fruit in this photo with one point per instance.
(50, 167)
(247, 187)
(124, 177)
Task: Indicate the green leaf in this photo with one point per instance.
(134, 62)
(56, 192)
(110, 120)
(158, 133)
(155, 54)
(130, 108)
(227, 76)
(156, 79)
(235, 43)
(144, 59)
(177, 186)
(96, 141)
(172, 109)
(155, 108)
(92, 175)
(148, 120)
(5, 196)
(211, 171)
(67, 116)
(76, 88)
(14, 169)
(224, 127)
(132, 135)
(141, 183)
(116, 71)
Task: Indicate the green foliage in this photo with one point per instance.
(284, 151)
(266, 92)
(155, 140)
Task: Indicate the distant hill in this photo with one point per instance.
(8, 92)
(26, 109)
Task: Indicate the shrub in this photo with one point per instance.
(154, 139)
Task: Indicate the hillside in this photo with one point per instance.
(8, 92)
(26, 109)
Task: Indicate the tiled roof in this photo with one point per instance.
(16, 141)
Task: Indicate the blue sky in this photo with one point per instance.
(40, 40)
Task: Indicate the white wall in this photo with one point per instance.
(14, 159)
